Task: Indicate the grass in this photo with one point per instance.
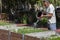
(4, 23)
(28, 30)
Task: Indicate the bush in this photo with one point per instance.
(44, 20)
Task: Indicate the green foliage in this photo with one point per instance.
(50, 38)
(14, 3)
(58, 38)
(44, 20)
(4, 23)
(29, 30)
(32, 2)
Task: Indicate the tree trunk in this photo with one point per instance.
(0, 6)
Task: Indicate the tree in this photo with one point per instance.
(0, 6)
(22, 4)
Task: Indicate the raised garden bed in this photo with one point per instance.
(30, 31)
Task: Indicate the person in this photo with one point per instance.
(50, 13)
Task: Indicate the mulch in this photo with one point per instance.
(58, 30)
(21, 24)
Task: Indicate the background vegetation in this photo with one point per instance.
(22, 11)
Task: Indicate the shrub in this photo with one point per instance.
(44, 20)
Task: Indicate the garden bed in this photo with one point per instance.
(38, 33)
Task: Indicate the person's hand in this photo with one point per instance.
(42, 16)
(38, 18)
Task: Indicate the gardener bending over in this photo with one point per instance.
(50, 13)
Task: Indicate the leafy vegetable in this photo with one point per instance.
(58, 38)
(29, 30)
(44, 20)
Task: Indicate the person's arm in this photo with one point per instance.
(50, 13)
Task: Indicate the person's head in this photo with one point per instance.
(46, 3)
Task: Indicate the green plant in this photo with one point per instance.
(4, 23)
(58, 38)
(44, 20)
(29, 30)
